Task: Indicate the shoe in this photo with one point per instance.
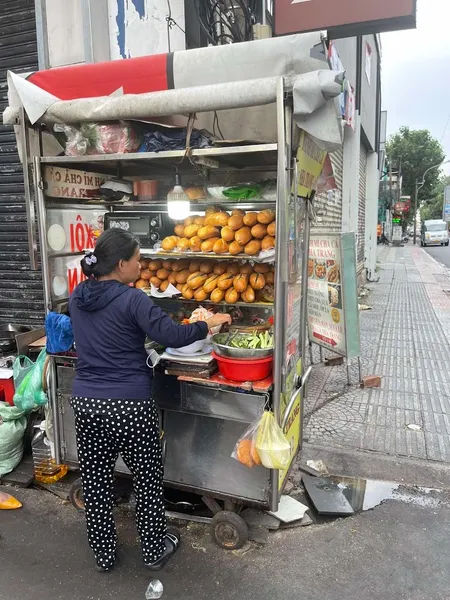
(173, 542)
(8, 502)
(101, 569)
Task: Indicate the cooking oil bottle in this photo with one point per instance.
(46, 470)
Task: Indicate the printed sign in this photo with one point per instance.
(346, 17)
(447, 204)
(333, 318)
(310, 159)
(74, 230)
(70, 183)
(397, 233)
(292, 359)
(293, 427)
(71, 232)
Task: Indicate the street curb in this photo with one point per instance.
(440, 265)
(372, 465)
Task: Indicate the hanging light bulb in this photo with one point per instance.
(178, 203)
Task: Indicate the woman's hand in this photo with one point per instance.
(219, 319)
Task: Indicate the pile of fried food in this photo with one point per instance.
(223, 233)
(247, 454)
(202, 280)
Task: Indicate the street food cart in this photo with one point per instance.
(202, 416)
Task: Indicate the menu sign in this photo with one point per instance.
(333, 318)
(72, 184)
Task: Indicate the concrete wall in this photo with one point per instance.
(139, 27)
(369, 76)
(347, 50)
(65, 32)
(77, 31)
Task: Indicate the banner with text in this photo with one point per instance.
(333, 318)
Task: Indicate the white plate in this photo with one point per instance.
(174, 352)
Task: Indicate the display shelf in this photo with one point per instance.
(150, 253)
(240, 157)
(185, 301)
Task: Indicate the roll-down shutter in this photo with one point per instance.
(21, 295)
(362, 208)
(328, 206)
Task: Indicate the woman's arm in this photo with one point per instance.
(162, 329)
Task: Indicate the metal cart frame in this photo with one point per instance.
(234, 410)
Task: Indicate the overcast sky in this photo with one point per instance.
(416, 73)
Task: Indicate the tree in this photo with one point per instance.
(432, 209)
(413, 152)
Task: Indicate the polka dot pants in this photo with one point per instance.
(105, 428)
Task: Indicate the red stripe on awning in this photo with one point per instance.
(135, 75)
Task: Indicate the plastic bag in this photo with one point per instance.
(13, 424)
(29, 393)
(245, 450)
(271, 444)
(99, 138)
(21, 367)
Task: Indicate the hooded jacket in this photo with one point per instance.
(110, 323)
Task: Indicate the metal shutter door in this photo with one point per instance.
(329, 210)
(21, 295)
(362, 208)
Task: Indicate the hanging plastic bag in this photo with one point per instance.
(29, 393)
(21, 367)
(13, 424)
(245, 450)
(271, 444)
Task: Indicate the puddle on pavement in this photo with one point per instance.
(341, 496)
(365, 494)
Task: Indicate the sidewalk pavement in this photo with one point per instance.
(404, 339)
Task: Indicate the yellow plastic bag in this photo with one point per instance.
(272, 445)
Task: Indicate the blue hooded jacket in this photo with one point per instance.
(110, 323)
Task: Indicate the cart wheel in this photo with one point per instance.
(76, 494)
(229, 530)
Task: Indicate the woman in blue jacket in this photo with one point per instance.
(114, 410)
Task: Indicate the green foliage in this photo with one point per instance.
(432, 209)
(413, 152)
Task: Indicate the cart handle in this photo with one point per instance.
(304, 381)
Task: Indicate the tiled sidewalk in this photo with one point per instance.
(405, 339)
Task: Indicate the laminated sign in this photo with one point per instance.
(333, 317)
(310, 159)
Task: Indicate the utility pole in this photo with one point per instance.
(416, 193)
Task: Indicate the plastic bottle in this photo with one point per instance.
(46, 470)
(155, 590)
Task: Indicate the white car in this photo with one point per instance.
(434, 233)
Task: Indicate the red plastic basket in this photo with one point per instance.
(244, 370)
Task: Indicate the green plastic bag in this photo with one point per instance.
(272, 445)
(29, 394)
(13, 424)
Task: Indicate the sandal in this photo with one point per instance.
(102, 569)
(173, 542)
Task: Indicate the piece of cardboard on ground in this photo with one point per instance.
(289, 510)
(326, 496)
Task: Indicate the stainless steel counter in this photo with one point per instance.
(201, 426)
